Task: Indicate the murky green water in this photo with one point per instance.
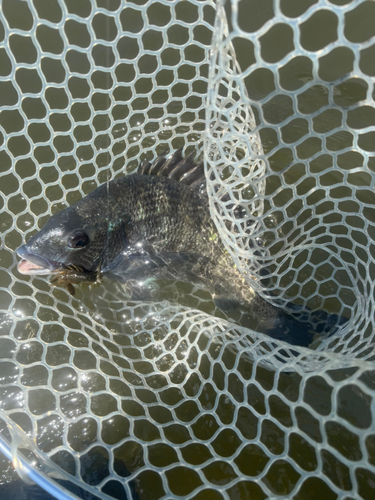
(74, 154)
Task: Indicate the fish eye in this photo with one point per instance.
(78, 239)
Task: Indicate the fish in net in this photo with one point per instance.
(117, 399)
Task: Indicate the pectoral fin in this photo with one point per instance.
(225, 304)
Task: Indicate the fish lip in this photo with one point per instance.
(39, 265)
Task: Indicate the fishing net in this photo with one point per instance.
(103, 397)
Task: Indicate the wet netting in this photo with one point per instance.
(103, 397)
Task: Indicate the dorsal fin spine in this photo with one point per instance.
(175, 167)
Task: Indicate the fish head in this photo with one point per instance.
(67, 240)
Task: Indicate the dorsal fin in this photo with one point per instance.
(175, 167)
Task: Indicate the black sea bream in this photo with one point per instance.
(154, 224)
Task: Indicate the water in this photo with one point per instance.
(72, 153)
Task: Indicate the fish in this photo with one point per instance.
(154, 224)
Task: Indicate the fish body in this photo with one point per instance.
(148, 224)
(154, 224)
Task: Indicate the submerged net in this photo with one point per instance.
(120, 399)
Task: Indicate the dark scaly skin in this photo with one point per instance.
(150, 215)
(172, 220)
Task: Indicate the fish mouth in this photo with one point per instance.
(31, 264)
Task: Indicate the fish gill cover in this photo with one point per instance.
(124, 399)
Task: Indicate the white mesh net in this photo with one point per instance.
(118, 399)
